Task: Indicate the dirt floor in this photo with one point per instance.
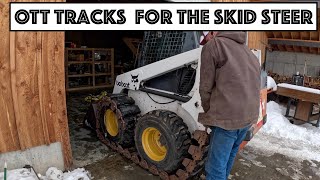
(102, 163)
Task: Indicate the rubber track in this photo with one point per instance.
(126, 111)
(192, 163)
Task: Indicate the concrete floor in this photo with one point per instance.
(103, 163)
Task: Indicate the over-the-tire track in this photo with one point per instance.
(192, 165)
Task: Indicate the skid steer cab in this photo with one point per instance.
(152, 116)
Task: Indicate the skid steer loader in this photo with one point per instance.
(152, 115)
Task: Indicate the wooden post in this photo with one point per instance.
(112, 66)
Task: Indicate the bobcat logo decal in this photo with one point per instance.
(134, 79)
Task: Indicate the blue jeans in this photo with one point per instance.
(224, 145)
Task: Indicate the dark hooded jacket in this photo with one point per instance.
(229, 82)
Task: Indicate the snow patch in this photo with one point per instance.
(283, 171)
(271, 84)
(77, 174)
(128, 168)
(246, 164)
(278, 135)
(19, 174)
(279, 126)
(52, 174)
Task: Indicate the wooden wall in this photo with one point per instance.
(258, 40)
(32, 96)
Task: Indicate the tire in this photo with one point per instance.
(124, 130)
(175, 137)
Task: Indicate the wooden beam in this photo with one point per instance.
(286, 35)
(274, 47)
(132, 43)
(294, 42)
(310, 49)
(277, 34)
(299, 35)
(9, 138)
(291, 48)
(296, 49)
(281, 47)
(305, 35)
(304, 49)
(270, 34)
(295, 35)
(314, 50)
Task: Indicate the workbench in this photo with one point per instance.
(307, 99)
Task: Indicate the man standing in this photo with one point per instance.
(230, 95)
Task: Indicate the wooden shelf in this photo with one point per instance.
(80, 62)
(79, 75)
(104, 86)
(89, 88)
(102, 74)
(102, 62)
(89, 81)
(79, 88)
(90, 49)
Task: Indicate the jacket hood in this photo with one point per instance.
(239, 37)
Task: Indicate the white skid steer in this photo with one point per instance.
(152, 116)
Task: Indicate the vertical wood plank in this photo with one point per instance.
(27, 68)
(32, 89)
(48, 56)
(9, 140)
(44, 91)
(93, 69)
(258, 40)
(60, 95)
(112, 66)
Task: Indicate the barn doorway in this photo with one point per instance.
(92, 61)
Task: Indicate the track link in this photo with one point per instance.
(192, 164)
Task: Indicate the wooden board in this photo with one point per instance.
(9, 140)
(32, 96)
(53, 53)
(27, 73)
(301, 95)
(258, 40)
(303, 110)
(133, 44)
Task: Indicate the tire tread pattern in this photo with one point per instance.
(180, 132)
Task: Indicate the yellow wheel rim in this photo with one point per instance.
(111, 122)
(151, 144)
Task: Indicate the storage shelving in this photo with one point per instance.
(89, 68)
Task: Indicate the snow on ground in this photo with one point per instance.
(51, 174)
(278, 135)
(19, 174)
